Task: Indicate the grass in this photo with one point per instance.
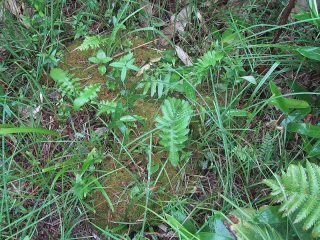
(63, 171)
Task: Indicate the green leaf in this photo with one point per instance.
(228, 36)
(58, 74)
(296, 116)
(290, 103)
(304, 129)
(215, 225)
(125, 63)
(207, 61)
(1, 91)
(5, 130)
(169, 56)
(313, 4)
(297, 190)
(123, 74)
(133, 67)
(67, 86)
(285, 104)
(310, 52)
(179, 228)
(94, 60)
(89, 93)
(264, 80)
(269, 215)
(315, 150)
(250, 79)
(189, 90)
(118, 64)
(278, 100)
(101, 55)
(100, 58)
(160, 89)
(302, 16)
(185, 221)
(102, 69)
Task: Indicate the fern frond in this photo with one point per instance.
(89, 93)
(299, 193)
(157, 86)
(92, 42)
(107, 107)
(176, 116)
(249, 231)
(208, 60)
(68, 86)
(266, 148)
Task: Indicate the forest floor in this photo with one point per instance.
(152, 120)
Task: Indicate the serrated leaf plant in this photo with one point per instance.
(89, 93)
(68, 85)
(174, 126)
(298, 192)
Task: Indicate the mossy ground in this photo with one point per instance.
(126, 181)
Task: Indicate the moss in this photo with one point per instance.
(148, 109)
(122, 183)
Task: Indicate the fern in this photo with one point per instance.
(107, 107)
(244, 154)
(159, 86)
(207, 61)
(89, 93)
(68, 86)
(176, 115)
(249, 231)
(92, 42)
(266, 148)
(165, 79)
(298, 191)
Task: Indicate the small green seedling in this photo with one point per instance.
(101, 58)
(125, 63)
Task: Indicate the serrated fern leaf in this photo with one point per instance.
(68, 86)
(174, 122)
(89, 93)
(107, 107)
(91, 42)
(266, 148)
(298, 192)
(208, 60)
(249, 231)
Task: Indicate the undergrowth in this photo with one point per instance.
(108, 132)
